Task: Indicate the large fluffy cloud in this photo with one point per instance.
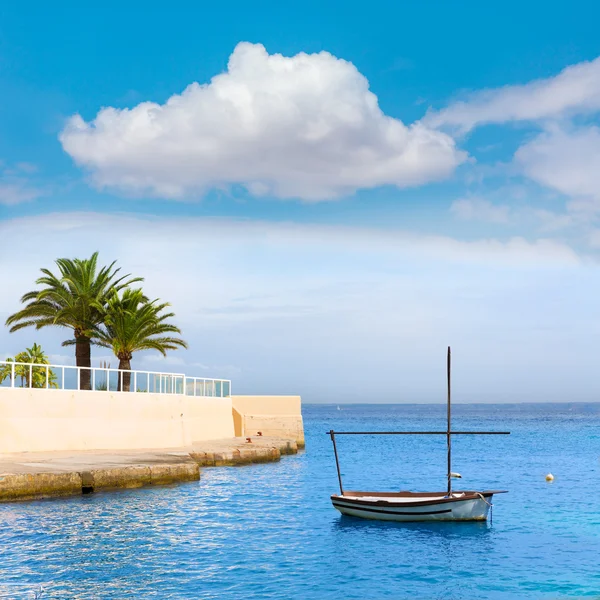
(305, 126)
(574, 90)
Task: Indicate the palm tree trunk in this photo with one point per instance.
(125, 376)
(83, 358)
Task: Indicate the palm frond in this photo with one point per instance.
(75, 296)
(133, 323)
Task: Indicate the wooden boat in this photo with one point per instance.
(415, 506)
(450, 505)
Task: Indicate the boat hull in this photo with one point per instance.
(415, 507)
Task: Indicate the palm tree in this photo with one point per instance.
(40, 376)
(132, 323)
(72, 299)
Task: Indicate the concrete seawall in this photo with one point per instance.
(63, 442)
(40, 420)
(271, 415)
(36, 475)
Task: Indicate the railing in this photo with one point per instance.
(101, 379)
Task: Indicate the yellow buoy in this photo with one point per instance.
(549, 477)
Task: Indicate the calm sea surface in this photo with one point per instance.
(269, 531)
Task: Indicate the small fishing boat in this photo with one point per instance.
(415, 506)
(449, 505)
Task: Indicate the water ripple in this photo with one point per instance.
(269, 531)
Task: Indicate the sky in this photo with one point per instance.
(328, 194)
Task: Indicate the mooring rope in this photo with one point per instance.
(488, 503)
(481, 496)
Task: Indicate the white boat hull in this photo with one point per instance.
(415, 507)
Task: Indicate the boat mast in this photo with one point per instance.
(337, 462)
(448, 433)
(449, 429)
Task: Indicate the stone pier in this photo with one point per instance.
(35, 475)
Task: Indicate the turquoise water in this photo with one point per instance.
(269, 531)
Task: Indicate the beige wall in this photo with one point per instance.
(40, 420)
(268, 405)
(271, 415)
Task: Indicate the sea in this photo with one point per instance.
(269, 531)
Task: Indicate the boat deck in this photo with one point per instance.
(410, 499)
(396, 499)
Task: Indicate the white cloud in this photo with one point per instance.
(594, 238)
(564, 157)
(171, 360)
(14, 192)
(565, 160)
(305, 126)
(194, 238)
(59, 358)
(26, 167)
(16, 185)
(550, 221)
(575, 90)
(479, 209)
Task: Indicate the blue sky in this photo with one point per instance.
(328, 193)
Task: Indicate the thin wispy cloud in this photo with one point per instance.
(575, 90)
(17, 185)
(480, 209)
(13, 192)
(311, 309)
(567, 160)
(560, 150)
